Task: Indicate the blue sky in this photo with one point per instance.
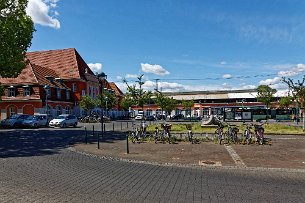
(188, 45)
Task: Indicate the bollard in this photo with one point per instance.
(104, 128)
(93, 130)
(127, 145)
(127, 124)
(86, 135)
(98, 139)
(113, 127)
(121, 125)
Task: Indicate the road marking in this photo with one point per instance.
(236, 158)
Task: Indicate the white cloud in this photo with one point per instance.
(276, 82)
(43, 13)
(131, 76)
(227, 76)
(155, 69)
(95, 67)
(295, 70)
(223, 63)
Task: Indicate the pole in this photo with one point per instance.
(86, 136)
(113, 127)
(127, 145)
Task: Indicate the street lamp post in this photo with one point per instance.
(102, 76)
(46, 88)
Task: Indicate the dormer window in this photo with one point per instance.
(67, 94)
(11, 91)
(73, 87)
(58, 93)
(50, 78)
(26, 91)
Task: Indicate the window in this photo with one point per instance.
(58, 92)
(47, 109)
(74, 87)
(11, 92)
(48, 92)
(67, 95)
(27, 91)
(67, 110)
(83, 92)
(90, 91)
(12, 110)
(58, 110)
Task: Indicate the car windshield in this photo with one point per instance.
(60, 117)
(30, 118)
(14, 116)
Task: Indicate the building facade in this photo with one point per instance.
(53, 82)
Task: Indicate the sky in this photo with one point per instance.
(185, 45)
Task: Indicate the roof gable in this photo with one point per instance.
(67, 63)
(27, 76)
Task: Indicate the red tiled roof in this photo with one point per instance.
(34, 75)
(114, 87)
(67, 63)
(26, 77)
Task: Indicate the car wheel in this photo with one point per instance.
(75, 125)
(64, 125)
(35, 125)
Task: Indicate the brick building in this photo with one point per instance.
(54, 82)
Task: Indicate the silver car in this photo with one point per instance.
(64, 121)
(36, 121)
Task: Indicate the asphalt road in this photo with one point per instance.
(39, 166)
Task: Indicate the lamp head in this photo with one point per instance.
(102, 76)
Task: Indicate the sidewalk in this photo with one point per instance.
(283, 153)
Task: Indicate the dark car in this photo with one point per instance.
(14, 120)
(177, 117)
(150, 118)
(161, 117)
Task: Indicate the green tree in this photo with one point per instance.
(165, 103)
(126, 103)
(15, 36)
(187, 106)
(87, 103)
(285, 102)
(171, 105)
(108, 100)
(265, 95)
(297, 89)
(137, 94)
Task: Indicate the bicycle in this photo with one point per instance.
(219, 133)
(156, 135)
(166, 132)
(190, 133)
(247, 133)
(259, 133)
(231, 134)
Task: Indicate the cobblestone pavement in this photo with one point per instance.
(38, 166)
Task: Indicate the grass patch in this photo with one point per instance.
(273, 128)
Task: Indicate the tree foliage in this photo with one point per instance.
(265, 94)
(106, 100)
(285, 102)
(165, 103)
(297, 89)
(137, 95)
(87, 103)
(187, 105)
(15, 36)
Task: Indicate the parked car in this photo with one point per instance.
(139, 117)
(177, 117)
(64, 121)
(161, 117)
(150, 118)
(36, 121)
(14, 121)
